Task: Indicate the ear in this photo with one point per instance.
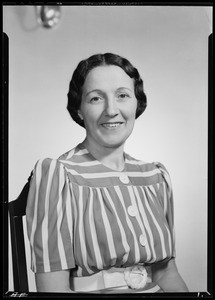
(80, 115)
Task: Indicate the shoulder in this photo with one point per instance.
(47, 162)
(149, 168)
(72, 154)
(46, 168)
(146, 165)
(164, 172)
(67, 155)
(160, 166)
(130, 160)
(162, 169)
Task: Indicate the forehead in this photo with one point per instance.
(107, 76)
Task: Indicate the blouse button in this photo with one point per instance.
(124, 178)
(132, 211)
(142, 240)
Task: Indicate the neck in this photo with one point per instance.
(112, 157)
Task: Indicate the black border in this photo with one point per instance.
(4, 164)
(4, 159)
(210, 163)
(112, 3)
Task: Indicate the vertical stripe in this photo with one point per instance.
(107, 227)
(69, 211)
(38, 176)
(169, 239)
(167, 179)
(146, 222)
(156, 224)
(132, 197)
(122, 231)
(153, 190)
(75, 213)
(136, 247)
(59, 221)
(155, 199)
(164, 199)
(93, 233)
(74, 207)
(81, 231)
(46, 261)
(173, 238)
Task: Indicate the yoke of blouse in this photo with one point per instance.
(84, 216)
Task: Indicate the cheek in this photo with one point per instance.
(130, 112)
(91, 115)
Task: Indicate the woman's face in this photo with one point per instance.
(108, 106)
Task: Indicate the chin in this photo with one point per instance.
(114, 143)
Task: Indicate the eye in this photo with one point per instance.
(96, 99)
(123, 96)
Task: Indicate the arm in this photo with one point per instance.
(168, 278)
(53, 282)
(43, 203)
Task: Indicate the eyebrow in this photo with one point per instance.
(100, 91)
(96, 90)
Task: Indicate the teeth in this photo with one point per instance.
(111, 124)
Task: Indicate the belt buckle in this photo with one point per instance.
(135, 276)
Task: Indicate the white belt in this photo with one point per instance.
(132, 278)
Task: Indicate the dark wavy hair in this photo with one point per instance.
(85, 66)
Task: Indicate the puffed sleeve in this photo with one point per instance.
(167, 202)
(49, 218)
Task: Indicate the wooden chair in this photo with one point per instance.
(16, 212)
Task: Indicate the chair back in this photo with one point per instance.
(16, 212)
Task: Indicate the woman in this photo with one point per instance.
(99, 220)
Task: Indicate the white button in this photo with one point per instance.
(124, 178)
(132, 211)
(142, 240)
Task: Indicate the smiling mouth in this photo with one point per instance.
(111, 125)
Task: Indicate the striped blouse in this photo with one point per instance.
(84, 216)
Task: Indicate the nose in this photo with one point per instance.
(111, 108)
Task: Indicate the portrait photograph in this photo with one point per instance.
(107, 149)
